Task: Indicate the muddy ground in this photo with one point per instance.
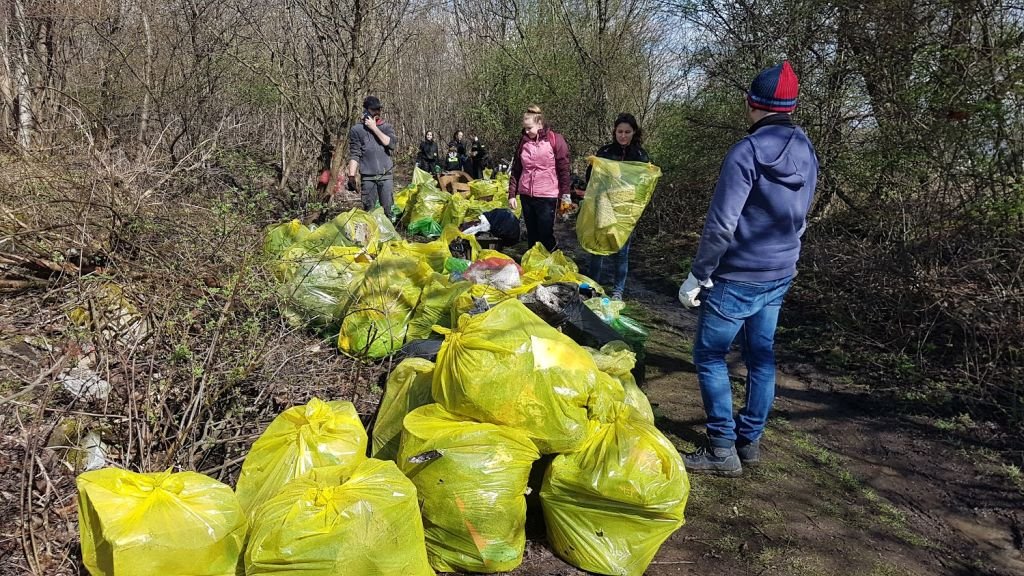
(846, 487)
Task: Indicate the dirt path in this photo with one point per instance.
(846, 488)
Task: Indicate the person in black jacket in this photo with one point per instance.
(428, 157)
(626, 145)
(459, 144)
(478, 158)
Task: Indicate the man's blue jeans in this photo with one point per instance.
(750, 310)
(621, 263)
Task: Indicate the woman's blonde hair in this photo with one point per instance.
(535, 114)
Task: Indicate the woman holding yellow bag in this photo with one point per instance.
(626, 145)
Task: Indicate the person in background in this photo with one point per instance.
(538, 176)
(744, 265)
(428, 157)
(459, 144)
(452, 162)
(478, 158)
(371, 144)
(626, 145)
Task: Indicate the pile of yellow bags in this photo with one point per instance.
(506, 388)
(308, 502)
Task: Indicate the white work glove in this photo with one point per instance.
(482, 226)
(690, 289)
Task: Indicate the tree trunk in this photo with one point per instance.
(22, 88)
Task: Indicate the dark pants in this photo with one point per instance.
(375, 191)
(539, 215)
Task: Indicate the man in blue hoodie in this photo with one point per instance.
(745, 263)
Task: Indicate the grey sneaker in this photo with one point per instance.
(749, 453)
(617, 296)
(712, 460)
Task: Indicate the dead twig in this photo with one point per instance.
(40, 380)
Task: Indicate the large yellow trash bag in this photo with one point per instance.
(318, 283)
(617, 360)
(280, 237)
(617, 194)
(375, 320)
(359, 228)
(471, 482)
(339, 521)
(164, 523)
(456, 211)
(299, 439)
(549, 267)
(435, 306)
(507, 366)
(436, 252)
(407, 388)
(424, 216)
(487, 189)
(403, 198)
(420, 176)
(611, 504)
(384, 225)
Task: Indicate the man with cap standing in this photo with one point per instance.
(744, 265)
(370, 146)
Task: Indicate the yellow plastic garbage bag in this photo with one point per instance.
(317, 284)
(611, 504)
(375, 320)
(384, 226)
(280, 237)
(407, 388)
(617, 194)
(507, 366)
(404, 198)
(343, 230)
(110, 311)
(424, 216)
(455, 211)
(164, 523)
(486, 189)
(617, 360)
(435, 306)
(420, 176)
(549, 267)
(299, 439)
(471, 482)
(359, 228)
(339, 521)
(436, 252)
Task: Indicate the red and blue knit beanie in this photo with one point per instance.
(775, 89)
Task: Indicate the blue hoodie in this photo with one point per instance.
(759, 209)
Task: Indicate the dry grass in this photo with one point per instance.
(197, 357)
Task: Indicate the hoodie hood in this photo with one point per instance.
(778, 151)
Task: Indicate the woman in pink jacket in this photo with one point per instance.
(539, 175)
